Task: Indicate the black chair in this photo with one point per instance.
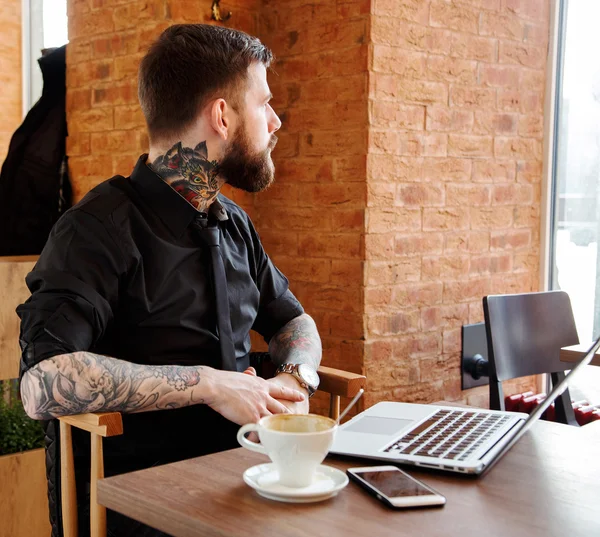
(525, 333)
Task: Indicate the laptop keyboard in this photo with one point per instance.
(449, 434)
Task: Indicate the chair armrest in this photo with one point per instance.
(103, 424)
(340, 383)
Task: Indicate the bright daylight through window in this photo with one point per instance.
(576, 218)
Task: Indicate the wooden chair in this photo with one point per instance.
(335, 382)
(525, 333)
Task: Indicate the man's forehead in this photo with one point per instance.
(258, 79)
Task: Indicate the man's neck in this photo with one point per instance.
(189, 172)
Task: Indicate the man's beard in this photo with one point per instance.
(244, 170)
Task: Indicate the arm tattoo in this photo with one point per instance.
(298, 342)
(85, 382)
(190, 173)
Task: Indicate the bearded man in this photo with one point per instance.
(145, 294)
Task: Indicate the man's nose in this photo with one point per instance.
(276, 124)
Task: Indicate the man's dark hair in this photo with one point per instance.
(188, 65)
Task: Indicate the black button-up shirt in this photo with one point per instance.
(123, 275)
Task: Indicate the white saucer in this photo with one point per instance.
(265, 480)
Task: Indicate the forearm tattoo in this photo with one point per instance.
(298, 342)
(85, 382)
(190, 173)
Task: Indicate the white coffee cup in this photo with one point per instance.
(296, 443)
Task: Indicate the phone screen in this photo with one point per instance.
(394, 484)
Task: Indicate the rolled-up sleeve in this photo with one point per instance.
(74, 289)
(278, 305)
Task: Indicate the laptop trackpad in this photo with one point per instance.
(376, 425)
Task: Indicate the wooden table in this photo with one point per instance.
(574, 353)
(547, 485)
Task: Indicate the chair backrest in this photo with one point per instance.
(525, 333)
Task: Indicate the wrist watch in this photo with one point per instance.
(304, 374)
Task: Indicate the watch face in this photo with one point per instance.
(309, 375)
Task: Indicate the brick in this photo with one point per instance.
(403, 63)
(456, 242)
(491, 218)
(467, 195)
(435, 145)
(423, 392)
(343, 115)
(403, 143)
(390, 114)
(446, 169)
(466, 145)
(114, 94)
(479, 241)
(387, 86)
(346, 271)
(78, 51)
(311, 92)
(524, 102)
(479, 265)
(78, 99)
(335, 194)
(335, 36)
(279, 242)
(132, 14)
(526, 262)
(93, 120)
(410, 10)
(100, 23)
(502, 263)
(419, 243)
(495, 123)
(346, 326)
(512, 194)
(349, 168)
(473, 97)
(348, 220)
(113, 142)
(116, 45)
(445, 267)
(393, 168)
(334, 246)
(504, 24)
(396, 219)
(499, 75)
(377, 299)
(129, 117)
(381, 194)
(531, 126)
(463, 291)
(323, 144)
(529, 171)
(455, 17)
(448, 119)
(127, 66)
(296, 218)
(510, 239)
(460, 45)
(346, 299)
(419, 195)
(527, 55)
(527, 216)
(78, 144)
(385, 324)
(99, 166)
(379, 246)
(519, 148)
(536, 34)
(380, 350)
(310, 270)
(444, 316)
(445, 218)
(304, 170)
(407, 269)
(380, 272)
(532, 9)
(511, 283)
(397, 33)
(533, 79)
(452, 70)
(494, 171)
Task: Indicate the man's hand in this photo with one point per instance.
(245, 398)
(287, 380)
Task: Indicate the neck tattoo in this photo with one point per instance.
(189, 172)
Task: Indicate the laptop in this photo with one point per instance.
(464, 440)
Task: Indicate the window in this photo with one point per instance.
(44, 27)
(576, 174)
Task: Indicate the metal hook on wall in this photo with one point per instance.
(216, 12)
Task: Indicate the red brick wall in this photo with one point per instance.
(10, 72)
(408, 167)
(454, 174)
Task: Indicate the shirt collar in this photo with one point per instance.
(175, 212)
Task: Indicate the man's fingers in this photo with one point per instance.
(281, 392)
(276, 407)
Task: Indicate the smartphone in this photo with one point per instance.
(395, 488)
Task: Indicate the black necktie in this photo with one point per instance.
(209, 235)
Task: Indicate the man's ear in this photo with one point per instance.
(220, 118)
